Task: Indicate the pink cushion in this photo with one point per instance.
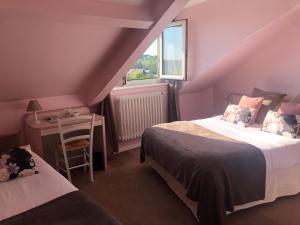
(289, 108)
(251, 103)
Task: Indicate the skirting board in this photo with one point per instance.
(129, 147)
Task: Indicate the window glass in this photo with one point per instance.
(173, 54)
(172, 51)
(147, 65)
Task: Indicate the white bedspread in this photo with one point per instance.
(280, 152)
(22, 194)
(282, 157)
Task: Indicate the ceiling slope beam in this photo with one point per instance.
(194, 3)
(20, 15)
(129, 50)
(92, 12)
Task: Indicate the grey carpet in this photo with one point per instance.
(137, 195)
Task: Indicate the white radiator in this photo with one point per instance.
(137, 112)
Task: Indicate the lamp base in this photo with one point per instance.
(36, 118)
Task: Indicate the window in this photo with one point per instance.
(173, 51)
(165, 58)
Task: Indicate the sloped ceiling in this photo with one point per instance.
(221, 37)
(84, 47)
(59, 47)
(47, 59)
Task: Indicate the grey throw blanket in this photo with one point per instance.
(75, 208)
(218, 172)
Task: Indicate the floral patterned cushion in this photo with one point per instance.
(239, 115)
(285, 125)
(16, 162)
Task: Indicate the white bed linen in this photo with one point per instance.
(22, 194)
(282, 159)
(280, 152)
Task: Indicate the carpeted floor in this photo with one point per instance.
(136, 195)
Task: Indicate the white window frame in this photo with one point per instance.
(161, 76)
(182, 23)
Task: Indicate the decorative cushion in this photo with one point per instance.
(285, 125)
(251, 103)
(271, 102)
(16, 162)
(289, 108)
(239, 115)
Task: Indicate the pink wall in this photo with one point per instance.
(13, 112)
(43, 59)
(60, 49)
(274, 67)
(221, 35)
(217, 27)
(196, 105)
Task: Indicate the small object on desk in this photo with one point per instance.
(52, 119)
(70, 113)
(34, 106)
(75, 114)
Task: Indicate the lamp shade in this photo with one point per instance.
(33, 106)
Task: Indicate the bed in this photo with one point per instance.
(48, 198)
(262, 167)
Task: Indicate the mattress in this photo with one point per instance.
(211, 166)
(279, 183)
(280, 152)
(281, 155)
(23, 194)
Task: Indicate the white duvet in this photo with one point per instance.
(22, 194)
(280, 152)
(282, 155)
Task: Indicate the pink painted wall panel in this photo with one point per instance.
(217, 27)
(196, 105)
(221, 35)
(42, 59)
(13, 112)
(274, 67)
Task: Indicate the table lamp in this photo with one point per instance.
(34, 106)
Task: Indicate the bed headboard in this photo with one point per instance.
(11, 141)
(235, 98)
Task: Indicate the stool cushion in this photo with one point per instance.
(75, 145)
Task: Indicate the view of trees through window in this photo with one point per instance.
(147, 65)
(166, 62)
